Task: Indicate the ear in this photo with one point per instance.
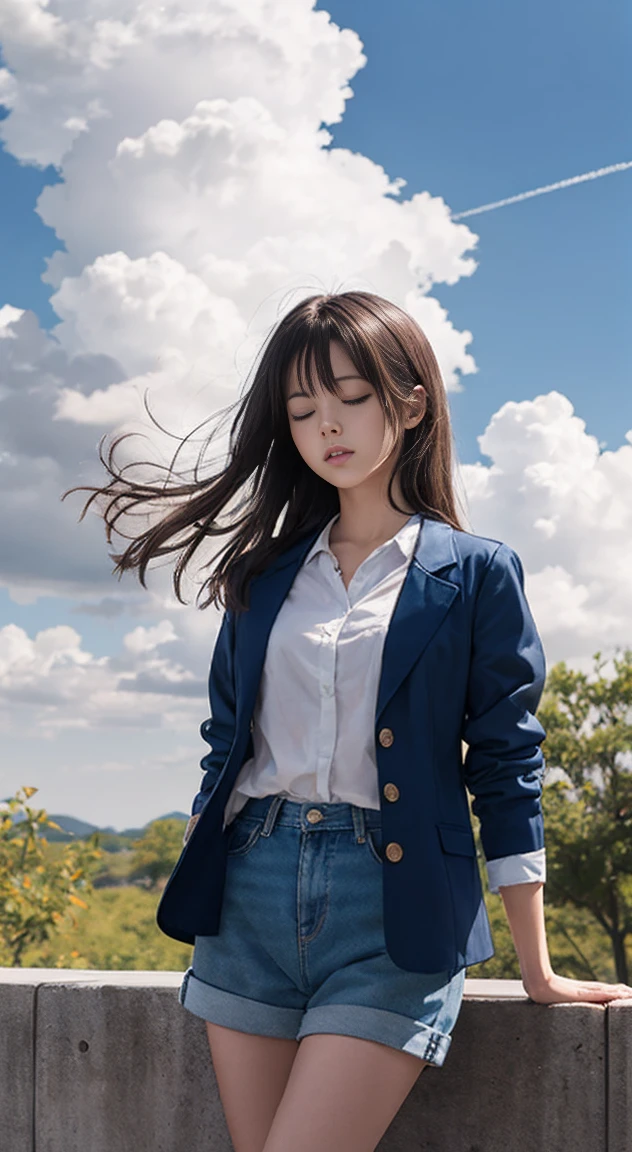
(417, 400)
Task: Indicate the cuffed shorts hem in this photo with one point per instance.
(378, 1024)
(233, 1011)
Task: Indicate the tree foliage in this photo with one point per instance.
(157, 850)
(37, 892)
(588, 812)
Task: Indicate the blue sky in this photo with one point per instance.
(476, 103)
(473, 103)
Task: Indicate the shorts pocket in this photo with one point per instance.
(374, 843)
(242, 836)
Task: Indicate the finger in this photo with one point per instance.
(599, 992)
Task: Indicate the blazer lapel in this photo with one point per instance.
(421, 606)
(423, 602)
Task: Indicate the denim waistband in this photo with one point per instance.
(334, 816)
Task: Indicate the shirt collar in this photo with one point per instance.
(404, 539)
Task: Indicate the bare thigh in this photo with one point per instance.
(251, 1073)
(342, 1094)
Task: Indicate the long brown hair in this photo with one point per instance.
(266, 476)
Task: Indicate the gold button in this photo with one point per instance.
(386, 737)
(391, 791)
(394, 851)
(314, 815)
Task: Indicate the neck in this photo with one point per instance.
(365, 520)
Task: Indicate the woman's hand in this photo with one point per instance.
(556, 989)
(190, 826)
(524, 905)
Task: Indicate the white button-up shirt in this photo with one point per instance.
(314, 718)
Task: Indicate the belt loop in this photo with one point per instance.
(359, 826)
(271, 815)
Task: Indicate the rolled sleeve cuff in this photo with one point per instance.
(523, 868)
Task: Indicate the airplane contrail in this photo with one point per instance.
(547, 188)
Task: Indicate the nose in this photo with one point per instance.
(327, 426)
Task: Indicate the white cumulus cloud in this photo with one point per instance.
(564, 504)
(60, 685)
(200, 197)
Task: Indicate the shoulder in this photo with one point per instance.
(485, 548)
(484, 558)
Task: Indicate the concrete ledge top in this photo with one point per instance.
(129, 977)
(487, 989)
(494, 990)
(135, 978)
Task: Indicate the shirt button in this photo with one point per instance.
(391, 791)
(385, 737)
(314, 816)
(394, 852)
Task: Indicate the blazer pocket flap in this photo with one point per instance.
(457, 840)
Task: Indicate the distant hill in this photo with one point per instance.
(77, 827)
(73, 829)
(136, 832)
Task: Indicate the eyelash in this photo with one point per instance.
(358, 400)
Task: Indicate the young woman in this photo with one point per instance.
(328, 879)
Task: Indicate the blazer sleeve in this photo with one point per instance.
(504, 765)
(219, 730)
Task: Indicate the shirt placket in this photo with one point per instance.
(327, 688)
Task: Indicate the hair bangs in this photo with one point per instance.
(313, 364)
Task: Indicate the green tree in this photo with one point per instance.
(588, 817)
(157, 850)
(37, 891)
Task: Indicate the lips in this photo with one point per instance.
(337, 448)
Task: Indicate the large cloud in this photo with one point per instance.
(158, 678)
(40, 456)
(565, 506)
(104, 62)
(200, 199)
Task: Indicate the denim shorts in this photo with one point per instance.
(301, 949)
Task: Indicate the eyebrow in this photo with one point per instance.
(354, 376)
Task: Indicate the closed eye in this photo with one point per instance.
(358, 400)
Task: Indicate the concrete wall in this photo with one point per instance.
(110, 1062)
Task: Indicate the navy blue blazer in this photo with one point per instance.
(462, 661)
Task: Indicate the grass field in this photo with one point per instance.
(118, 930)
